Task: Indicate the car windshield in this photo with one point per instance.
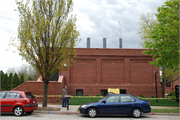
(29, 95)
(102, 98)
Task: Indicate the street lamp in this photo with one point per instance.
(156, 86)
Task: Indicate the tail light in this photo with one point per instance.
(148, 103)
(26, 100)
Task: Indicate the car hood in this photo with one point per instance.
(90, 103)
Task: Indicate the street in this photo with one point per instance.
(39, 116)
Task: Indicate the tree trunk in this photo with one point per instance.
(45, 94)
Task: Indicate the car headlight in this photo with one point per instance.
(83, 106)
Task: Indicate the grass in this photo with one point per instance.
(161, 102)
(165, 111)
(80, 101)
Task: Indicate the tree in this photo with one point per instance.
(2, 80)
(5, 82)
(29, 79)
(147, 20)
(165, 36)
(47, 36)
(15, 81)
(163, 39)
(26, 70)
(10, 81)
(21, 79)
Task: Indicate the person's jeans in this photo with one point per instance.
(64, 102)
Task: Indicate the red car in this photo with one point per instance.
(17, 102)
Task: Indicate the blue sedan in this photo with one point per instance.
(116, 104)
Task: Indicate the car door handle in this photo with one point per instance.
(15, 100)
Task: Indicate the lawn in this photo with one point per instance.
(161, 102)
(165, 111)
(80, 101)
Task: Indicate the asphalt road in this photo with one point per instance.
(40, 116)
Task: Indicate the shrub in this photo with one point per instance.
(73, 95)
(86, 95)
(153, 97)
(141, 95)
(97, 95)
(171, 93)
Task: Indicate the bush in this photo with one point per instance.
(141, 95)
(97, 95)
(86, 95)
(171, 93)
(153, 97)
(73, 95)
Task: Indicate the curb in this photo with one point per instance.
(56, 112)
(69, 112)
(174, 114)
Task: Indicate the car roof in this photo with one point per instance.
(15, 91)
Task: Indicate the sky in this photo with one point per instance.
(96, 19)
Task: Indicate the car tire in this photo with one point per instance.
(18, 111)
(29, 112)
(92, 112)
(136, 112)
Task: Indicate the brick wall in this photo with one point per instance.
(99, 68)
(54, 88)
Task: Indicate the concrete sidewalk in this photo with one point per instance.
(73, 109)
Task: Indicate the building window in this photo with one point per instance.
(55, 76)
(168, 84)
(122, 91)
(104, 92)
(79, 92)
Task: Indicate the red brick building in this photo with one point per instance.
(97, 69)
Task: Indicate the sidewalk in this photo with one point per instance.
(73, 110)
(63, 110)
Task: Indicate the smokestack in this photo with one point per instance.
(104, 42)
(120, 42)
(88, 42)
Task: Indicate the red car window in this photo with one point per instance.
(29, 95)
(13, 95)
(2, 94)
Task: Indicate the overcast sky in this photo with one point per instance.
(96, 19)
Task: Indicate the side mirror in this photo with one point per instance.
(104, 101)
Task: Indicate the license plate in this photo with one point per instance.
(33, 101)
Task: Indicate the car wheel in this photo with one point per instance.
(18, 111)
(136, 112)
(92, 112)
(29, 112)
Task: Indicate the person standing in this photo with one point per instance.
(64, 92)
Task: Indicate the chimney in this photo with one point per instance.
(104, 42)
(120, 42)
(88, 42)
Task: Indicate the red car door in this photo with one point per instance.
(9, 101)
(2, 107)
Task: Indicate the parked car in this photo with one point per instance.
(116, 104)
(17, 102)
